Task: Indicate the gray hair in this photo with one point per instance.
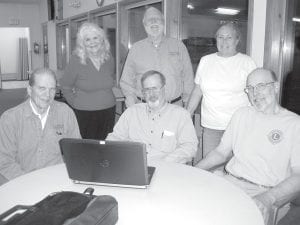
(153, 9)
(41, 71)
(233, 26)
(80, 50)
(151, 73)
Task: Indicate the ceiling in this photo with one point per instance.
(208, 7)
(20, 1)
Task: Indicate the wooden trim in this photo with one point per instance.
(250, 27)
(279, 38)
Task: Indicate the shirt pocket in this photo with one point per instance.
(168, 143)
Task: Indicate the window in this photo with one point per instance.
(200, 20)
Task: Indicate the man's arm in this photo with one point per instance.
(188, 74)
(9, 167)
(128, 80)
(121, 129)
(217, 157)
(73, 128)
(187, 142)
(194, 99)
(282, 193)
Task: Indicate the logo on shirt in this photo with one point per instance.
(59, 128)
(275, 136)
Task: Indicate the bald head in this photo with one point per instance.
(261, 75)
(152, 12)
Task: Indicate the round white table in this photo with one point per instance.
(178, 194)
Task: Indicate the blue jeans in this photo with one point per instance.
(210, 139)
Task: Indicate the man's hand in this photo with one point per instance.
(265, 203)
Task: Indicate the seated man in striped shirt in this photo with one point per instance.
(29, 132)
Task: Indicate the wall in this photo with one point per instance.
(51, 29)
(28, 16)
(9, 42)
(257, 44)
(86, 5)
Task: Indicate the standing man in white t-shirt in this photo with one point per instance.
(264, 141)
(220, 81)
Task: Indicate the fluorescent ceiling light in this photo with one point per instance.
(227, 11)
(190, 6)
(296, 19)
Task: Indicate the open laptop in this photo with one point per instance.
(112, 163)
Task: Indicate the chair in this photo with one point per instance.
(2, 179)
(292, 217)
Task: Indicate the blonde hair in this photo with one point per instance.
(80, 50)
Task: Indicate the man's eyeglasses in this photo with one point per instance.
(155, 90)
(259, 87)
(153, 20)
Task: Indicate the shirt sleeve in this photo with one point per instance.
(68, 80)
(121, 129)
(9, 167)
(199, 71)
(128, 78)
(187, 141)
(295, 153)
(187, 73)
(72, 124)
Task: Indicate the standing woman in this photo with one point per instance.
(220, 81)
(88, 80)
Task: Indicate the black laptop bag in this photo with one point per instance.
(66, 208)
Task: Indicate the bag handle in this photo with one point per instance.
(9, 213)
(89, 191)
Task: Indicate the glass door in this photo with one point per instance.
(62, 37)
(291, 83)
(107, 20)
(200, 20)
(131, 24)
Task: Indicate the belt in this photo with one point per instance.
(172, 101)
(244, 179)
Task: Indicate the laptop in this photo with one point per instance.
(111, 163)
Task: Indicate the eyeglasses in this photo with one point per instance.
(259, 87)
(153, 20)
(155, 90)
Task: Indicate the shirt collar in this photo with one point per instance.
(163, 38)
(36, 112)
(158, 113)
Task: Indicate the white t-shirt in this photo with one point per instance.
(222, 81)
(265, 147)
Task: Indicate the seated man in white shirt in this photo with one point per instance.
(29, 132)
(264, 140)
(166, 129)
